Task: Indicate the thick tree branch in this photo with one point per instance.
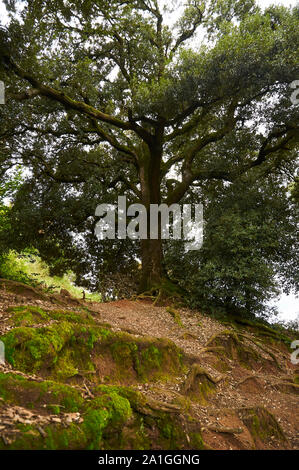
(84, 108)
(127, 183)
(68, 102)
(189, 177)
(114, 142)
(48, 170)
(285, 136)
(202, 142)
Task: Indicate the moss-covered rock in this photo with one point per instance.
(125, 358)
(161, 425)
(27, 316)
(116, 418)
(67, 350)
(59, 350)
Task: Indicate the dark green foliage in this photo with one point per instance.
(250, 240)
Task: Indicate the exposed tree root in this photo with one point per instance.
(199, 383)
(265, 350)
(261, 424)
(166, 293)
(287, 387)
(224, 430)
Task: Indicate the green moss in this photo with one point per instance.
(197, 441)
(27, 315)
(118, 407)
(66, 365)
(29, 439)
(135, 398)
(117, 418)
(205, 388)
(55, 409)
(105, 417)
(172, 432)
(138, 358)
(95, 422)
(72, 317)
(20, 391)
(59, 438)
(261, 424)
(67, 350)
(167, 430)
(136, 437)
(105, 414)
(123, 352)
(46, 349)
(30, 348)
(199, 384)
(152, 357)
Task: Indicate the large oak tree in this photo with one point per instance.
(116, 92)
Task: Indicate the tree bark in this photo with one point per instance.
(151, 250)
(152, 264)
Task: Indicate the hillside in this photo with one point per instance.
(130, 375)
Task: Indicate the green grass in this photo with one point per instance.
(30, 269)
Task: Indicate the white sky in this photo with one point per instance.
(288, 306)
(266, 3)
(3, 16)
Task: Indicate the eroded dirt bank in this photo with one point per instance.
(129, 375)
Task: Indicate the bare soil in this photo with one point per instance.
(238, 388)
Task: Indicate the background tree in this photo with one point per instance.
(250, 249)
(106, 98)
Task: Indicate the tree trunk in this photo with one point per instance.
(151, 250)
(152, 264)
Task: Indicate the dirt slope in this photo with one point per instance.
(127, 374)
